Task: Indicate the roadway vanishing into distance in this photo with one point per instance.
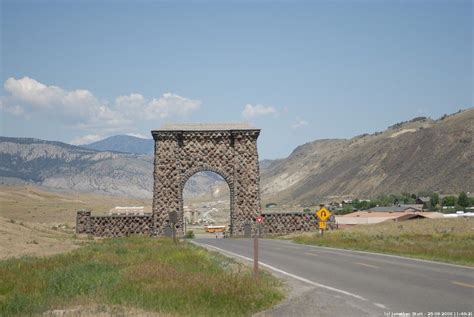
(381, 283)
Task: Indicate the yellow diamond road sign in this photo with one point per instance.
(323, 214)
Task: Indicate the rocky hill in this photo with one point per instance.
(421, 154)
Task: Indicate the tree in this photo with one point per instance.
(471, 201)
(449, 201)
(347, 209)
(434, 199)
(463, 200)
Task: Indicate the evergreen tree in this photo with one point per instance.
(434, 199)
(463, 200)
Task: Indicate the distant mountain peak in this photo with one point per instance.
(123, 143)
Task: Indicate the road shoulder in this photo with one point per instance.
(303, 299)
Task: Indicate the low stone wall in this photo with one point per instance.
(283, 223)
(113, 225)
(125, 225)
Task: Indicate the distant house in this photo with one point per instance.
(372, 217)
(398, 208)
(423, 201)
(132, 210)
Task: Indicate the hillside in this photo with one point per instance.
(61, 166)
(421, 154)
(125, 144)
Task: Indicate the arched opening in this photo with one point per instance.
(207, 208)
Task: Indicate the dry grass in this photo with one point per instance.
(21, 238)
(36, 205)
(447, 240)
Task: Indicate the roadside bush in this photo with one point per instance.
(189, 234)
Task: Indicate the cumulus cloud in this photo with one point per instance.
(299, 124)
(251, 111)
(27, 96)
(86, 139)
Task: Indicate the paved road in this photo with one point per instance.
(386, 283)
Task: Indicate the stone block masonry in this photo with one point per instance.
(125, 225)
(283, 223)
(114, 225)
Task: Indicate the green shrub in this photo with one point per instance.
(189, 234)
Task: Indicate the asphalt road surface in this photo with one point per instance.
(378, 284)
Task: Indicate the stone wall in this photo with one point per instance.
(283, 223)
(113, 225)
(125, 225)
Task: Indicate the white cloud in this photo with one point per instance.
(251, 111)
(299, 124)
(27, 96)
(170, 104)
(86, 139)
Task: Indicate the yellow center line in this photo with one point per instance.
(314, 254)
(368, 265)
(463, 284)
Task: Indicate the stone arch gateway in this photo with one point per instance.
(229, 150)
(181, 151)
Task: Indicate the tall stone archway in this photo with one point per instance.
(228, 150)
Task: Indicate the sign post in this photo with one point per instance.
(173, 216)
(323, 215)
(255, 247)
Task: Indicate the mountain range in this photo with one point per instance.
(420, 154)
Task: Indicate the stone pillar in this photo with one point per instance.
(167, 181)
(83, 219)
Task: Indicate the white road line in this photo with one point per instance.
(463, 284)
(288, 274)
(380, 305)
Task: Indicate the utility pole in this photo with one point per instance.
(255, 247)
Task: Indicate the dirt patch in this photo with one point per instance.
(101, 311)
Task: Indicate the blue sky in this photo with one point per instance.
(80, 71)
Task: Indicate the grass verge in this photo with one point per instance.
(149, 274)
(445, 240)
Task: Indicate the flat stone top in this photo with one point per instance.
(206, 127)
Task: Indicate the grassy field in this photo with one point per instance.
(446, 240)
(152, 275)
(37, 205)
